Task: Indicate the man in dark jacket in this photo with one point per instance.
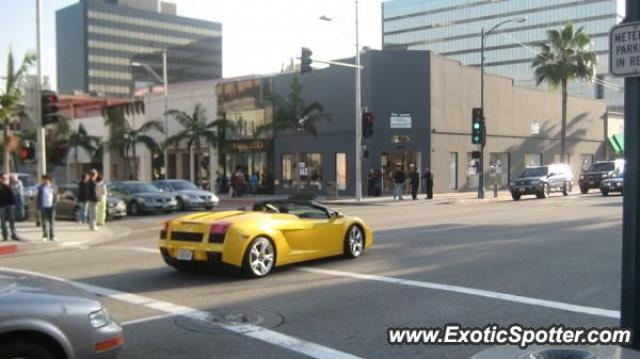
(7, 204)
(92, 200)
(81, 216)
(399, 178)
(414, 178)
(428, 175)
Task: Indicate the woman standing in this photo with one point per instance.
(101, 192)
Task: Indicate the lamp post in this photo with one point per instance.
(483, 36)
(358, 107)
(165, 84)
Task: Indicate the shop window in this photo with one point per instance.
(287, 169)
(341, 171)
(532, 159)
(586, 159)
(313, 170)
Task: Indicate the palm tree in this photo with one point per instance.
(294, 116)
(125, 138)
(81, 139)
(12, 99)
(196, 128)
(564, 57)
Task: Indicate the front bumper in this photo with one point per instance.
(117, 211)
(589, 182)
(612, 186)
(526, 189)
(158, 207)
(199, 203)
(106, 343)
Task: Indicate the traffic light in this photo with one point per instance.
(477, 127)
(49, 108)
(305, 61)
(367, 124)
(28, 151)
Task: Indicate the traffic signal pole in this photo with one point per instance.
(630, 296)
(41, 154)
(483, 140)
(358, 176)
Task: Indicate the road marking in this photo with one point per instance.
(471, 291)
(138, 249)
(310, 349)
(147, 319)
(443, 229)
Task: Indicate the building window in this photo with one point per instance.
(400, 139)
(586, 159)
(287, 169)
(341, 171)
(313, 170)
(532, 159)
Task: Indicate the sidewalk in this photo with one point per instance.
(67, 234)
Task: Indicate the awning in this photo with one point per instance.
(617, 143)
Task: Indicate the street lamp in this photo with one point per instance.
(483, 36)
(163, 80)
(358, 110)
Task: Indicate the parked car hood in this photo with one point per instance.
(22, 288)
(193, 192)
(530, 178)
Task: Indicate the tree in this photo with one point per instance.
(564, 57)
(81, 139)
(12, 100)
(195, 128)
(125, 138)
(293, 116)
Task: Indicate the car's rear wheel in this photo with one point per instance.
(584, 189)
(516, 196)
(181, 206)
(259, 258)
(566, 189)
(25, 350)
(354, 242)
(605, 192)
(545, 192)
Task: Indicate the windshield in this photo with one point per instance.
(26, 180)
(619, 173)
(140, 187)
(601, 167)
(183, 185)
(535, 172)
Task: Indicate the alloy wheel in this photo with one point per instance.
(261, 257)
(355, 241)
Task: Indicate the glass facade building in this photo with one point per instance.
(98, 40)
(452, 28)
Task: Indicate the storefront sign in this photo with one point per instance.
(302, 169)
(624, 53)
(246, 146)
(400, 120)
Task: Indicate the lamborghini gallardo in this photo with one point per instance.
(272, 234)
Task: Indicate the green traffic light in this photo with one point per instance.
(476, 126)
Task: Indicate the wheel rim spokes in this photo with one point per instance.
(261, 257)
(355, 241)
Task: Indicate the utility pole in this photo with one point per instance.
(484, 123)
(630, 297)
(358, 115)
(41, 154)
(165, 83)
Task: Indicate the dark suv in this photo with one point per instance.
(597, 172)
(542, 180)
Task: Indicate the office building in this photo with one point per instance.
(452, 28)
(99, 40)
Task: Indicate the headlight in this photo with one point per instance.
(111, 204)
(193, 197)
(512, 183)
(99, 319)
(581, 177)
(140, 199)
(604, 175)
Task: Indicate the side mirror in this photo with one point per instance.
(334, 215)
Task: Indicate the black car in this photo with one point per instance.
(597, 172)
(542, 180)
(615, 183)
(142, 197)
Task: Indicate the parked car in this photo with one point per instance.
(615, 182)
(542, 180)
(67, 206)
(30, 191)
(142, 197)
(62, 321)
(187, 194)
(591, 177)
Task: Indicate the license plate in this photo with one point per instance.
(185, 255)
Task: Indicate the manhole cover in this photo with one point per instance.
(559, 354)
(236, 320)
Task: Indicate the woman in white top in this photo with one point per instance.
(101, 192)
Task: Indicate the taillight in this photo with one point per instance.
(165, 226)
(219, 227)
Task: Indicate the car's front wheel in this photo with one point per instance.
(605, 192)
(181, 206)
(584, 189)
(134, 209)
(354, 242)
(259, 258)
(25, 349)
(516, 196)
(545, 192)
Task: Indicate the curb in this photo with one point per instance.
(6, 249)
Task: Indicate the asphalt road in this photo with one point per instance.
(548, 253)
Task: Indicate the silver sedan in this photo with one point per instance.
(48, 319)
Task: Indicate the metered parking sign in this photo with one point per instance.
(624, 49)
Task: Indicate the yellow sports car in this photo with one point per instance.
(274, 233)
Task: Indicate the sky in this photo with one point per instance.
(259, 36)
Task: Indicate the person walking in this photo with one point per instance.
(428, 175)
(81, 216)
(414, 178)
(371, 178)
(377, 183)
(101, 192)
(7, 204)
(399, 178)
(92, 200)
(18, 192)
(46, 204)
(255, 179)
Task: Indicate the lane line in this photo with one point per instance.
(147, 319)
(443, 229)
(470, 291)
(138, 249)
(268, 336)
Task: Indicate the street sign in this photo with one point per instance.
(400, 120)
(624, 49)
